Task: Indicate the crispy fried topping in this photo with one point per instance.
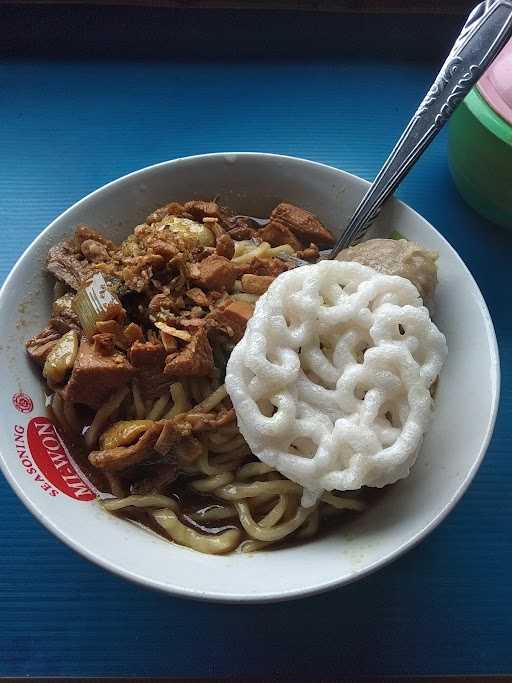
(225, 246)
(184, 282)
(256, 284)
(195, 360)
(94, 251)
(148, 359)
(103, 343)
(172, 209)
(233, 317)
(200, 210)
(85, 232)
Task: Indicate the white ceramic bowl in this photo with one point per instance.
(466, 402)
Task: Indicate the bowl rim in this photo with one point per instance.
(271, 596)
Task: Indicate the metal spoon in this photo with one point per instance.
(488, 28)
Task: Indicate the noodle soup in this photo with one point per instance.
(395, 518)
(134, 357)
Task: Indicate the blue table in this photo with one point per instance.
(67, 127)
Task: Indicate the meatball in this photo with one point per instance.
(398, 257)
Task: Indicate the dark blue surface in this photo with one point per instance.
(67, 128)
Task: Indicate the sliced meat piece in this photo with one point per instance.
(67, 265)
(264, 266)
(95, 377)
(161, 303)
(233, 316)
(164, 249)
(216, 273)
(225, 246)
(85, 232)
(256, 284)
(197, 296)
(273, 266)
(312, 253)
(123, 337)
(190, 324)
(148, 359)
(39, 346)
(303, 224)
(133, 332)
(195, 360)
(242, 232)
(199, 209)
(94, 252)
(242, 227)
(124, 456)
(110, 326)
(171, 209)
(277, 233)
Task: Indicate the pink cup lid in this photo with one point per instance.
(496, 84)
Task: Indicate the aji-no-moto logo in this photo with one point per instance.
(52, 460)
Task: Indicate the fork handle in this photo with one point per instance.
(485, 33)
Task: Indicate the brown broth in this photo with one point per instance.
(191, 501)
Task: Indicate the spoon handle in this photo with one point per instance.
(484, 35)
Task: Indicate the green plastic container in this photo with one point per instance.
(480, 157)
